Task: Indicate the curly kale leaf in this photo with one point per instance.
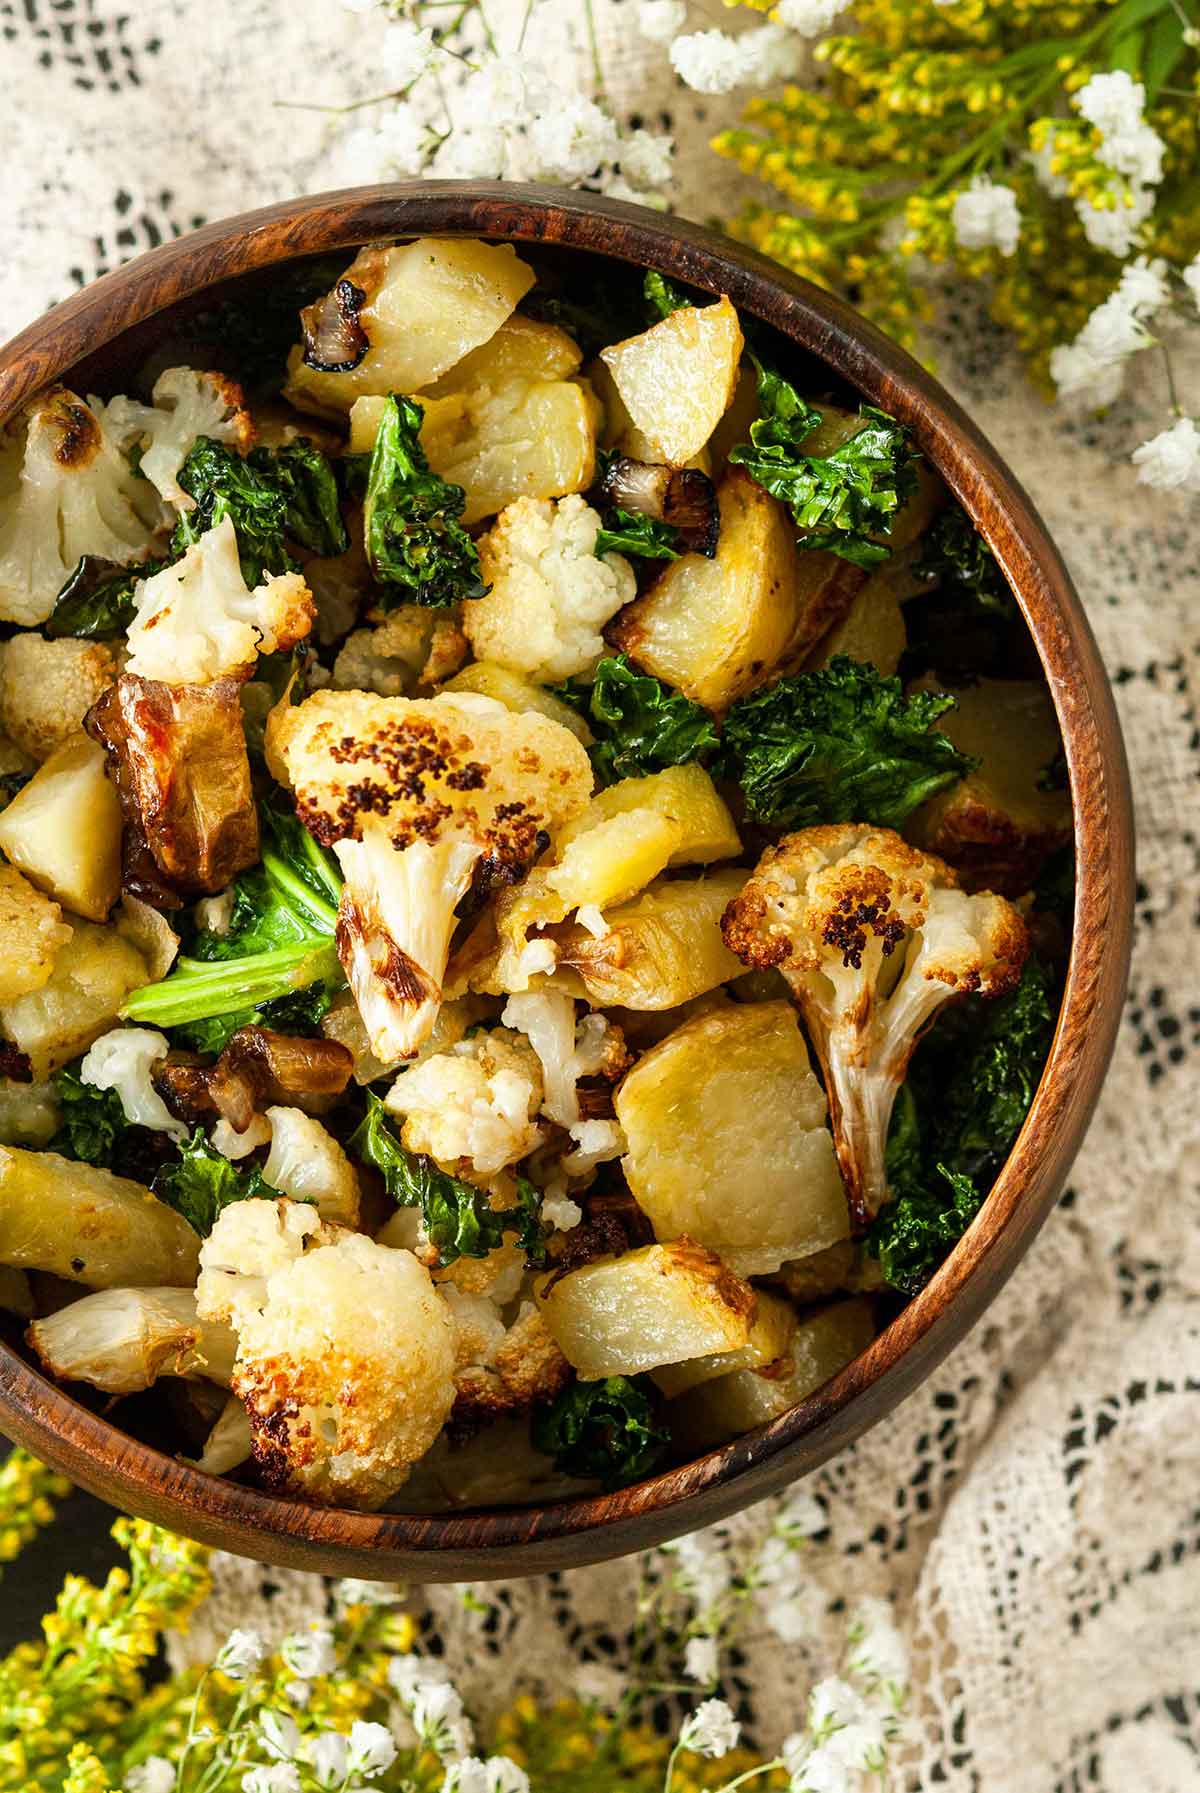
(200, 1184)
(606, 1430)
(955, 555)
(93, 1122)
(457, 1217)
(418, 549)
(304, 479)
(274, 497)
(662, 296)
(955, 1121)
(840, 500)
(97, 601)
(629, 532)
(640, 725)
(840, 745)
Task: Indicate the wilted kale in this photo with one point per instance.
(955, 554)
(662, 295)
(96, 603)
(274, 496)
(279, 950)
(967, 1095)
(843, 499)
(200, 1184)
(629, 532)
(305, 480)
(640, 724)
(418, 549)
(840, 745)
(457, 1217)
(93, 1120)
(602, 1429)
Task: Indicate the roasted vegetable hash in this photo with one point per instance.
(535, 880)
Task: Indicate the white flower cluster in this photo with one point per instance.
(1092, 368)
(1171, 460)
(509, 120)
(330, 1758)
(711, 1730)
(717, 62)
(1114, 104)
(985, 216)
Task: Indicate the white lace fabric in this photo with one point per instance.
(1032, 1510)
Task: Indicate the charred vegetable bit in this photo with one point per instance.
(842, 500)
(200, 1184)
(334, 339)
(457, 1217)
(97, 602)
(639, 724)
(418, 549)
(969, 1089)
(274, 496)
(955, 555)
(258, 1067)
(605, 1430)
(279, 949)
(657, 512)
(842, 744)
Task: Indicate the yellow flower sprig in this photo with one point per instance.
(28, 1494)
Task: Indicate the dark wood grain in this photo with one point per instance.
(489, 1544)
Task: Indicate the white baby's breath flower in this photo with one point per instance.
(878, 1652)
(709, 61)
(475, 154)
(985, 215)
(646, 158)
(770, 54)
(467, 1776)
(711, 1730)
(299, 1693)
(704, 1572)
(1041, 161)
(820, 1771)
(406, 1673)
(154, 1775)
(810, 17)
(310, 1653)
(801, 1516)
(1170, 461)
(328, 1756)
(775, 1562)
(353, 1592)
(794, 1614)
(1144, 286)
(407, 52)
(701, 1660)
(280, 1735)
(438, 1719)
(1111, 102)
(506, 1776)
(1093, 366)
(661, 20)
(506, 90)
(572, 140)
(833, 1705)
(1115, 228)
(372, 1748)
(1191, 279)
(240, 1654)
(276, 1777)
(600, 1686)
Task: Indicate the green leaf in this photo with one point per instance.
(603, 1429)
(416, 546)
(662, 295)
(840, 745)
(629, 532)
(955, 554)
(840, 500)
(457, 1217)
(96, 603)
(93, 1120)
(304, 478)
(640, 724)
(201, 1184)
(918, 1229)
(274, 496)
(1164, 51)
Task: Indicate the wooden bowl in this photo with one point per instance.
(128, 310)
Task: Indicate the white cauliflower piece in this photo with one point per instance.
(411, 647)
(250, 1243)
(596, 1142)
(346, 1371)
(229, 1444)
(507, 1374)
(234, 1145)
(48, 687)
(412, 794)
(566, 1051)
(215, 913)
(551, 594)
(32, 933)
(197, 620)
(122, 1060)
(307, 1163)
(185, 404)
(65, 490)
(475, 1105)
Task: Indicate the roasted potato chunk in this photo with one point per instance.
(63, 830)
(420, 308)
(521, 349)
(487, 679)
(93, 973)
(659, 950)
(727, 1139)
(530, 439)
(997, 826)
(661, 1304)
(89, 1226)
(769, 1341)
(32, 931)
(685, 795)
(822, 1345)
(872, 630)
(676, 379)
(716, 629)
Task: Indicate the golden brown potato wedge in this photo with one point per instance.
(716, 629)
(63, 830)
(93, 973)
(488, 679)
(660, 950)
(32, 931)
(530, 439)
(521, 349)
(686, 795)
(769, 1341)
(872, 630)
(83, 1223)
(676, 379)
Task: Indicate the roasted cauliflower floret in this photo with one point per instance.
(411, 647)
(551, 594)
(122, 1060)
(48, 687)
(122, 1340)
(475, 1106)
(65, 490)
(251, 1241)
(346, 1371)
(872, 937)
(32, 932)
(197, 620)
(185, 404)
(413, 795)
(306, 1162)
(502, 1369)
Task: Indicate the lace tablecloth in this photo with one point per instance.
(1033, 1509)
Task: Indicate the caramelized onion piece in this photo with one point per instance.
(681, 496)
(258, 1069)
(334, 339)
(177, 755)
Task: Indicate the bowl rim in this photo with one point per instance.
(518, 1540)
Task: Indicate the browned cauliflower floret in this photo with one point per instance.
(498, 1368)
(873, 937)
(416, 797)
(347, 1371)
(48, 687)
(186, 404)
(474, 1107)
(412, 647)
